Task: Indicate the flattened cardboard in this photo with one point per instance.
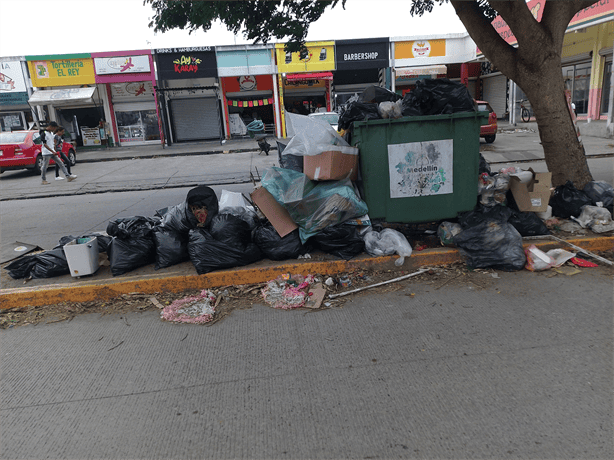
(316, 296)
(533, 196)
(330, 165)
(275, 212)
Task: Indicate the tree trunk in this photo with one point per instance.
(565, 155)
(535, 65)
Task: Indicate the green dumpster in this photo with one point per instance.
(419, 169)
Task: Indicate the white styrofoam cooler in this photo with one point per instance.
(82, 257)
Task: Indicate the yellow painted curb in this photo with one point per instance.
(149, 284)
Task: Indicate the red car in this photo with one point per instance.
(22, 150)
(488, 131)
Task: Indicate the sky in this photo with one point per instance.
(113, 25)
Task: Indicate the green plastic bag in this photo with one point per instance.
(313, 205)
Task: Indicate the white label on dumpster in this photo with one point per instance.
(421, 168)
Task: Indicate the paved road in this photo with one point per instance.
(519, 368)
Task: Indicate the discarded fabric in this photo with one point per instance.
(194, 309)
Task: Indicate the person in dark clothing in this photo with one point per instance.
(58, 140)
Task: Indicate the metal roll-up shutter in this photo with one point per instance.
(495, 93)
(195, 119)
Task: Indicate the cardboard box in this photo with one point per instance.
(275, 212)
(534, 195)
(332, 165)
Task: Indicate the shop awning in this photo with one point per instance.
(62, 97)
(309, 76)
(424, 70)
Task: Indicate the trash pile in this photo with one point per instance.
(312, 202)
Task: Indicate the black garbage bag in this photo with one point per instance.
(127, 254)
(343, 241)
(355, 110)
(484, 166)
(528, 224)
(437, 96)
(231, 230)
(289, 161)
(567, 201)
(491, 244)
(600, 191)
(242, 213)
(135, 226)
(171, 247)
(481, 213)
(377, 94)
(207, 254)
(103, 240)
(274, 247)
(47, 264)
(181, 218)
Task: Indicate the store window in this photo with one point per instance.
(577, 80)
(605, 94)
(138, 126)
(11, 121)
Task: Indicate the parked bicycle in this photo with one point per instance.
(525, 110)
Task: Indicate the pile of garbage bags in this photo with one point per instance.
(429, 97)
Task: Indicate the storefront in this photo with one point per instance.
(127, 80)
(415, 58)
(189, 94)
(586, 59)
(70, 96)
(247, 81)
(305, 84)
(359, 64)
(15, 112)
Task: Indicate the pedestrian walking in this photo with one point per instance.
(48, 151)
(59, 143)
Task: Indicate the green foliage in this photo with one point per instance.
(258, 20)
(419, 7)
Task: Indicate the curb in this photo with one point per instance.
(165, 155)
(255, 273)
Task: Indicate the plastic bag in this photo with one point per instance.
(181, 218)
(378, 94)
(231, 230)
(135, 226)
(492, 244)
(274, 247)
(600, 191)
(560, 256)
(537, 259)
(47, 264)
(230, 199)
(171, 247)
(446, 232)
(312, 137)
(207, 254)
(484, 166)
(127, 254)
(593, 215)
(313, 206)
(389, 109)
(437, 96)
(343, 241)
(528, 224)
(103, 240)
(482, 213)
(388, 242)
(355, 110)
(567, 201)
(246, 214)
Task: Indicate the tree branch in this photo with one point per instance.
(486, 37)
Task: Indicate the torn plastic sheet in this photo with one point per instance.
(194, 309)
(287, 294)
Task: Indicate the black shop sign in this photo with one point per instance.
(362, 53)
(181, 63)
